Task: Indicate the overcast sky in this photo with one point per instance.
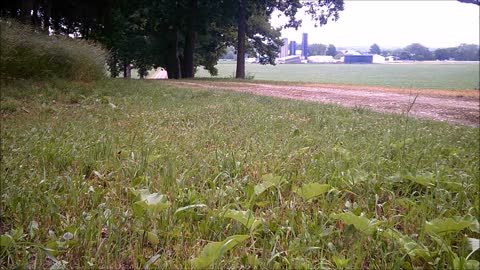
(435, 24)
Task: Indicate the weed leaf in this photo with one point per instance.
(412, 248)
(427, 180)
(192, 206)
(151, 237)
(462, 263)
(151, 202)
(312, 190)
(152, 260)
(215, 250)
(361, 223)
(268, 181)
(455, 224)
(6, 240)
(245, 217)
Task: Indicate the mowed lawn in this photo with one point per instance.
(124, 174)
(412, 75)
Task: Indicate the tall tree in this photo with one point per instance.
(190, 40)
(317, 49)
(375, 49)
(241, 48)
(418, 52)
(321, 11)
(331, 50)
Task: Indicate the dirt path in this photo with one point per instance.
(460, 107)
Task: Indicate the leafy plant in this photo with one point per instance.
(245, 217)
(268, 181)
(312, 190)
(361, 223)
(152, 203)
(215, 250)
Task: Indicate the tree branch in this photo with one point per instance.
(476, 2)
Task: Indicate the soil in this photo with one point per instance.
(459, 107)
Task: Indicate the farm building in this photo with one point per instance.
(358, 59)
(378, 59)
(292, 59)
(321, 59)
(363, 59)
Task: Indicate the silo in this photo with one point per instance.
(305, 46)
(292, 46)
(284, 48)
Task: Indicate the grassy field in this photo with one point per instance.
(120, 174)
(417, 75)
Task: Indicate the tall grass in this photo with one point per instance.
(27, 53)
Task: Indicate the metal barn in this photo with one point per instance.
(358, 59)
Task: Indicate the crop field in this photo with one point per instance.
(413, 75)
(138, 174)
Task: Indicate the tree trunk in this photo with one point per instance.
(113, 64)
(35, 18)
(127, 70)
(27, 7)
(173, 65)
(47, 10)
(190, 39)
(240, 73)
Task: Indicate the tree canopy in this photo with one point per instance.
(375, 49)
(331, 50)
(317, 49)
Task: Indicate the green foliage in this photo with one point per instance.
(26, 53)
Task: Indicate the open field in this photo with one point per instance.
(415, 75)
(455, 106)
(129, 173)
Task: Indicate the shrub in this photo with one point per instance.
(27, 53)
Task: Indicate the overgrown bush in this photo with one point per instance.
(27, 53)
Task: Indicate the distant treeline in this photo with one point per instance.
(415, 51)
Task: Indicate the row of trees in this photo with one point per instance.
(415, 51)
(179, 35)
(418, 52)
(322, 49)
